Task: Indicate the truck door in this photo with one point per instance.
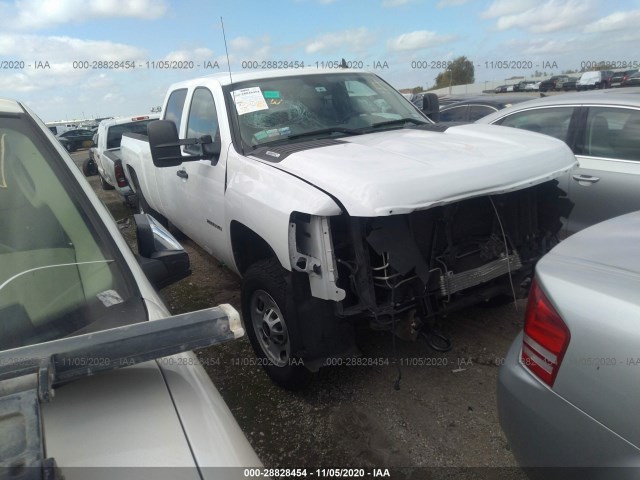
(199, 204)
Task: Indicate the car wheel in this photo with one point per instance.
(268, 315)
(68, 147)
(104, 184)
(89, 168)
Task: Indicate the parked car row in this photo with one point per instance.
(77, 138)
(475, 107)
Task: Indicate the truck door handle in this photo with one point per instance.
(585, 178)
(182, 174)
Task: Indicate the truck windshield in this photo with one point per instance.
(274, 110)
(60, 272)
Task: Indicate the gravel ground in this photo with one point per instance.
(441, 423)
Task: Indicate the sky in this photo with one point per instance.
(60, 57)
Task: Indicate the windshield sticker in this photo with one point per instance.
(271, 94)
(321, 89)
(109, 298)
(273, 132)
(249, 100)
(3, 182)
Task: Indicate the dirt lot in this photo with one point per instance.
(442, 420)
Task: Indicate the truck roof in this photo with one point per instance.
(222, 78)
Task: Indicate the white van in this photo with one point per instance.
(594, 79)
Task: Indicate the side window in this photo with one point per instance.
(612, 133)
(453, 114)
(552, 121)
(203, 119)
(175, 105)
(478, 111)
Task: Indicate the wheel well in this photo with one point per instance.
(134, 179)
(248, 247)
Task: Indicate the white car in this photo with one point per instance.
(76, 306)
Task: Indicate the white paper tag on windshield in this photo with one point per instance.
(249, 100)
(109, 298)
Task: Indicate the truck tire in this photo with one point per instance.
(268, 314)
(89, 168)
(104, 184)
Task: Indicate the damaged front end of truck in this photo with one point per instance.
(401, 271)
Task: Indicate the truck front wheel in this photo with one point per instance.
(269, 319)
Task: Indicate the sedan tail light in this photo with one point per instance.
(119, 173)
(546, 337)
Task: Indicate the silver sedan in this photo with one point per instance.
(568, 391)
(603, 130)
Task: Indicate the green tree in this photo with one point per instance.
(460, 72)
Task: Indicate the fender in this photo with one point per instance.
(264, 198)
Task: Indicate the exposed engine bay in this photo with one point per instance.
(443, 258)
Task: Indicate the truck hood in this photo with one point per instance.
(399, 171)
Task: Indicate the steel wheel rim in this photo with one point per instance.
(270, 328)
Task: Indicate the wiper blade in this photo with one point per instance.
(348, 131)
(324, 131)
(398, 121)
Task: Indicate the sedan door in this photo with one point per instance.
(556, 121)
(607, 181)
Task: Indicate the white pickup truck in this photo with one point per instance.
(106, 152)
(336, 199)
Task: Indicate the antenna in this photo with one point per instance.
(224, 37)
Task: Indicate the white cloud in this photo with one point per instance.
(551, 16)
(64, 49)
(195, 54)
(241, 43)
(500, 8)
(39, 14)
(99, 81)
(417, 40)
(615, 21)
(356, 40)
(451, 3)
